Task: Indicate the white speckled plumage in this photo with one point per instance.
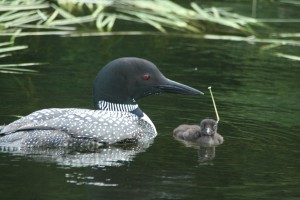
(68, 127)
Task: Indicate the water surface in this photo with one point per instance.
(257, 95)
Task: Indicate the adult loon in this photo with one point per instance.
(204, 135)
(117, 118)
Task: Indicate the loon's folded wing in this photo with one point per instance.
(32, 119)
(101, 126)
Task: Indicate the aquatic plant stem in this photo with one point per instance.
(213, 100)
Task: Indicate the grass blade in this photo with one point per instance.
(290, 57)
(76, 20)
(19, 65)
(5, 55)
(15, 48)
(23, 7)
(5, 44)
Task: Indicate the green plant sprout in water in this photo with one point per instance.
(215, 107)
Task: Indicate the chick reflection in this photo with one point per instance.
(203, 137)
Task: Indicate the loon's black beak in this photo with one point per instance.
(177, 88)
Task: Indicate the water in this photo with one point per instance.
(257, 95)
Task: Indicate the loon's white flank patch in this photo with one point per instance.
(104, 105)
(147, 119)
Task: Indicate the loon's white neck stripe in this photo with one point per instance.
(104, 105)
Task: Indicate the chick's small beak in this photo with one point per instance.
(208, 131)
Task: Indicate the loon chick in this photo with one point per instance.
(204, 135)
(116, 118)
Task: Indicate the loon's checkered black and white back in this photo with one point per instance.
(77, 127)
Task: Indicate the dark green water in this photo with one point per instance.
(257, 95)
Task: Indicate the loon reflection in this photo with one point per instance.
(113, 155)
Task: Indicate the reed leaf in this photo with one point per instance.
(200, 11)
(278, 20)
(5, 55)
(285, 35)
(15, 68)
(15, 48)
(23, 7)
(75, 20)
(24, 20)
(5, 44)
(63, 28)
(13, 37)
(251, 39)
(16, 71)
(240, 18)
(16, 16)
(62, 12)
(99, 22)
(111, 22)
(52, 17)
(152, 23)
(43, 16)
(166, 21)
(19, 65)
(3, 15)
(103, 22)
(294, 2)
(175, 8)
(98, 11)
(288, 56)
(34, 33)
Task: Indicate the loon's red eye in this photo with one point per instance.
(146, 77)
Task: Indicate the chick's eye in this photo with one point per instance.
(146, 77)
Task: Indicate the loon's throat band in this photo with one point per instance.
(104, 105)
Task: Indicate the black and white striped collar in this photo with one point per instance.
(104, 105)
(134, 109)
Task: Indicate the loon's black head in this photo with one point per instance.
(208, 127)
(125, 80)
